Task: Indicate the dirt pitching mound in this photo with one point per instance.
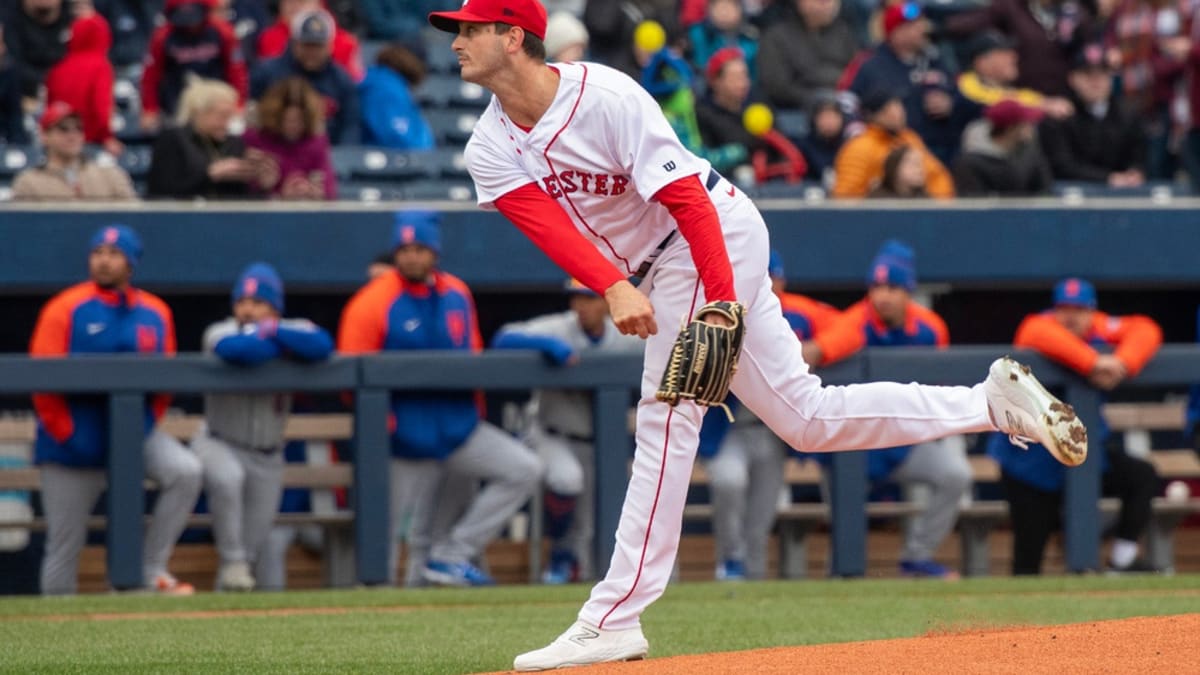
(1167, 644)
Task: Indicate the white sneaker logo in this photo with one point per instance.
(583, 635)
(93, 328)
(411, 324)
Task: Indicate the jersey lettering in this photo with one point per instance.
(569, 182)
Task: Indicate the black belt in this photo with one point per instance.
(569, 436)
(710, 182)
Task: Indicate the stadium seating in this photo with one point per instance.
(452, 127)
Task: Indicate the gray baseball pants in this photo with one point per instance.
(745, 479)
(942, 466)
(243, 488)
(511, 471)
(69, 494)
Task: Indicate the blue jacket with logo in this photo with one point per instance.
(86, 319)
(391, 313)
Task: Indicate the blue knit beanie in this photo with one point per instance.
(260, 280)
(894, 265)
(123, 238)
(417, 227)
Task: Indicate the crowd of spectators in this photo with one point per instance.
(1105, 92)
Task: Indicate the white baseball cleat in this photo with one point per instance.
(1022, 408)
(584, 644)
(235, 576)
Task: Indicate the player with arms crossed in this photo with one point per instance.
(582, 161)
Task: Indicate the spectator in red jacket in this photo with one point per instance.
(274, 40)
(84, 80)
(192, 41)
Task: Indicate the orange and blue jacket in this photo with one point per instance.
(861, 326)
(807, 317)
(1135, 340)
(391, 313)
(86, 319)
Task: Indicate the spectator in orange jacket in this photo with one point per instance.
(1070, 333)
(84, 80)
(859, 164)
(889, 317)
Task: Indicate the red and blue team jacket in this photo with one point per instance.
(860, 326)
(1135, 339)
(86, 319)
(807, 317)
(391, 313)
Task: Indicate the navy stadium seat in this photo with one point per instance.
(451, 127)
(368, 192)
(17, 158)
(380, 164)
(792, 123)
(439, 190)
(448, 91)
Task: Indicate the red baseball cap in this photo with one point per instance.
(1008, 113)
(904, 12)
(55, 113)
(718, 60)
(528, 14)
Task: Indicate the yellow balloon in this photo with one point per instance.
(758, 119)
(649, 36)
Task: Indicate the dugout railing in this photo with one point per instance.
(610, 378)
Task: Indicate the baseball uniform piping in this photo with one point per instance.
(662, 470)
(546, 154)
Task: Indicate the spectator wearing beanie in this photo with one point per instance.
(193, 43)
(566, 38)
(719, 113)
(291, 131)
(391, 116)
(1001, 155)
(84, 80)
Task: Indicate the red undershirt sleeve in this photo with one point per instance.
(693, 210)
(541, 219)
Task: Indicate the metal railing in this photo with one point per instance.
(125, 379)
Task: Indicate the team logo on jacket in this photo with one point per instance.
(147, 339)
(569, 182)
(456, 325)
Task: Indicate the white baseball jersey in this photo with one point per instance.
(570, 412)
(602, 150)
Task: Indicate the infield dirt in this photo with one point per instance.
(1166, 644)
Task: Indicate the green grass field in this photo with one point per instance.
(464, 631)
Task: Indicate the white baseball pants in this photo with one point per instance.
(774, 382)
